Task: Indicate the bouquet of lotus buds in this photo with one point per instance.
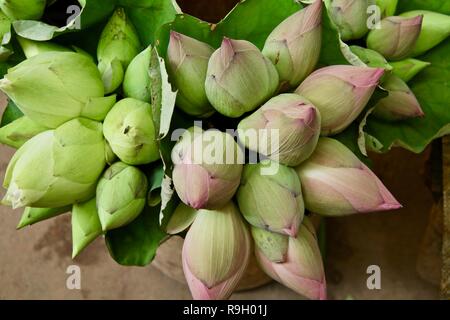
(252, 148)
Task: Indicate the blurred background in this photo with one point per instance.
(405, 244)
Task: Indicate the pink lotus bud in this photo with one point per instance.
(273, 201)
(216, 252)
(207, 168)
(302, 267)
(350, 16)
(396, 38)
(294, 45)
(239, 78)
(336, 183)
(400, 104)
(291, 119)
(340, 93)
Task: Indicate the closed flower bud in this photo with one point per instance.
(400, 103)
(136, 83)
(118, 45)
(187, 63)
(23, 9)
(336, 183)
(216, 253)
(435, 29)
(288, 118)
(302, 268)
(408, 68)
(130, 131)
(340, 93)
(121, 195)
(36, 87)
(350, 16)
(387, 7)
(86, 225)
(207, 168)
(396, 37)
(239, 78)
(294, 45)
(273, 202)
(57, 167)
(16, 133)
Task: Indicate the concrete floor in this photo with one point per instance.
(33, 261)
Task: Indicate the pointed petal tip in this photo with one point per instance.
(291, 231)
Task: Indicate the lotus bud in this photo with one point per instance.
(239, 78)
(32, 48)
(371, 58)
(336, 183)
(273, 201)
(58, 167)
(130, 131)
(121, 195)
(207, 168)
(285, 129)
(136, 83)
(340, 93)
(118, 45)
(216, 253)
(36, 88)
(301, 269)
(435, 29)
(23, 9)
(86, 225)
(187, 63)
(16, 133)
(273, 246)
(396, 37)
(34, 215)
(400, 104)
(408, 68)
(387, 7)
(294, 45)
(350, 16)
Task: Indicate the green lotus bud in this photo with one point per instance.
(130, 131)
(435, 29)
(55, 87)
(136, 83)
(23, 9)
(187, 63)
(408, 68)
(400, 104)
(387, 7)
(33, 215)
(396, 37)
(86, 225)
(274, 246)
(207, 168)
(121, 195)
(216, 252)
(118, 45)
(371, 58)
(57, 167)
(285, 129)
(32, 48)
(294, 45)
(273, 202)
(350, 16)
(239, 78)
(16, 133)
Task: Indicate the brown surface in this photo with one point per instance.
(445, 284)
